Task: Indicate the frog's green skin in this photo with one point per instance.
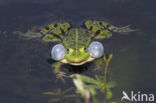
(77, 40)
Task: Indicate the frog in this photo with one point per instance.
(78, 45)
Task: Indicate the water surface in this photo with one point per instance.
(24, 72)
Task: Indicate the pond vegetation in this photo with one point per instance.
(87, 87)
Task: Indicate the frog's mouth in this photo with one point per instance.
(89, 59)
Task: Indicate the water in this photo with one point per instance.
(24, 72)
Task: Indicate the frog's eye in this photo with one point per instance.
(85, 49)
(58, 52)
(96, 49)
(68, 50)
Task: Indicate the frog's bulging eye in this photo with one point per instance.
(58, 52)
(85, 49)
(96, 49)
(68, 50)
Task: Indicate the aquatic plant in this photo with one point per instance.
(88, 86)
(81, 88)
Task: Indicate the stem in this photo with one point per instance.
(95, 99)
(105, 76)
(86, 100)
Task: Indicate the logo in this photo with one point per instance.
(137, 97)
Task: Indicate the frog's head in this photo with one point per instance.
(77, 48)
(77, 56)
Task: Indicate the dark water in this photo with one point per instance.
(24, 72)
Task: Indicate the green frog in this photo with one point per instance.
(77, 46)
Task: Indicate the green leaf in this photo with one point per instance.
(68, 90)
(88, 79)
(91, 86)
(70, 96)
(111, 84)
(109, 94)
(50, 93)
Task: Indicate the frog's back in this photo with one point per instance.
(77, 38)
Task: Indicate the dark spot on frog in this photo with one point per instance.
(62, 31)
(47, 27)
(55, 25)
(100, 23)
(49, 37)
(107, 26)
(98, 32)
(90, 28)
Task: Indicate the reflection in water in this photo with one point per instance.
(63, 96)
